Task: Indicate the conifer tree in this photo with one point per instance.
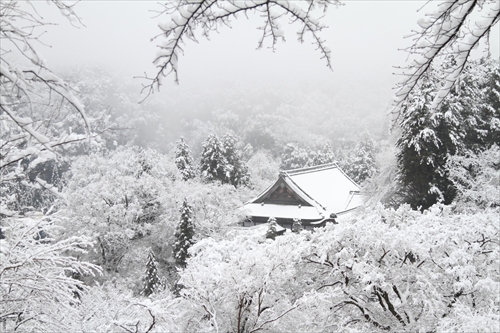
(487, 75)
(422, 153)
(183, 160)
(295, 157)
(239, 172)
(462, 110)
(213, 163)
(327, 155)
(462, 123)
(272, 227)
(151, 281)
(184, 235)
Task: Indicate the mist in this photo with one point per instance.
(367, 40)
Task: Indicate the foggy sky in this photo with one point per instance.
(365, 38)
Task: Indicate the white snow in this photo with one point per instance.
(326, 188)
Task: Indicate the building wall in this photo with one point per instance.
(285, 223)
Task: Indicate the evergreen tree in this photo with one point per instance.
(462, 111)
(151, 281)
(183, 160)
(213, 163)
(489, 82)
(463, 122)
(361, 165)
(297, 226)
(239, 172)
(184, 235)
(422, 154)
(325, 156)
(272, 227)
(294, 157)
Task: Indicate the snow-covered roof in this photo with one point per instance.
(323, 189)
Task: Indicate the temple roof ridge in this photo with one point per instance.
(313, 168)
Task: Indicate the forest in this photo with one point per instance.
(118, 216)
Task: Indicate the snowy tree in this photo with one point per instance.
(184, 235)
(454, 29)
(183, 160)
(239, 172)
(36, 105)
(324, 156)
(429, 136)
(259, 132)
(470, 105)
(484, 74)
(477, 179)
(294, 157)
(360, 165)
(151, 280)
(213, 163)
(117, 197)
(241, 284)
(361, 269)
(353, 276)
(112, 247)
(39, 284)
(111, 308)
(272, 227)
(382, 187)
(215, 206)
(25, 193)
(422, 153)
(263, 167)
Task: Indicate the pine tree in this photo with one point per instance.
(213, 163)
(239, 172)
(184, 235)
(151, 281)
(183, 160)
(272, 228)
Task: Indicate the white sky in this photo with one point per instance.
(364, 36)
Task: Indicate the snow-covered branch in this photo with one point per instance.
(40, 113)
(27, 83)
(454, 29)
(185, 16)
(37, 273)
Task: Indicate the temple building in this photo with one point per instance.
(315, 195)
